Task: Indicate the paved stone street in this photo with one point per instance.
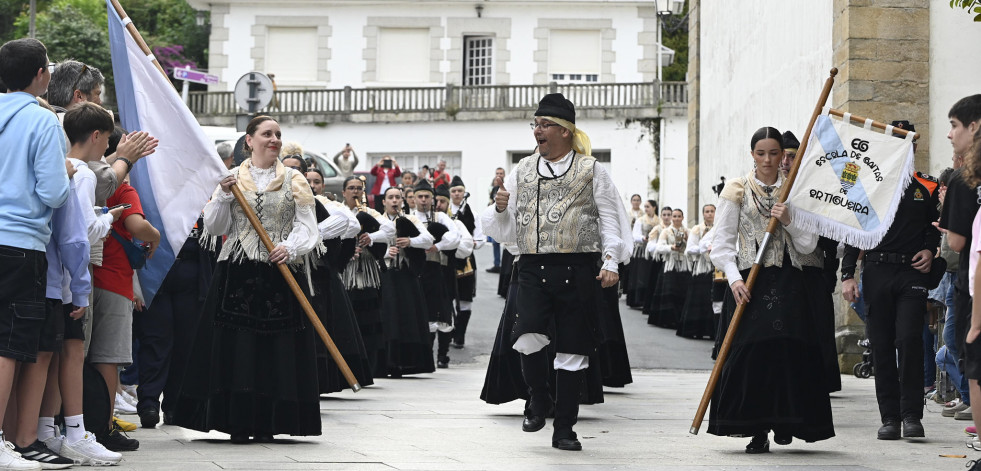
(438, 422)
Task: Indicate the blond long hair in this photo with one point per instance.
(972, 162)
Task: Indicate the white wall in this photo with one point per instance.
(674, 165)
(347, 41)
(761, 66)
(484, 146)
(954, 73)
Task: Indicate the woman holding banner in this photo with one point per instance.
(771, 380)
(253, 372)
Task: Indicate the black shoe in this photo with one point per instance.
(912, 428)
(567, 443)
(456, 345)
(240, 438)
(443, 362)
(890, 430)
(40, 453)
(494, 270)
(533, 423)
(782, 439)
(974, 465)
(168, 418)
(263, 438)
(149, 417)
(116, 440)
(759, 444)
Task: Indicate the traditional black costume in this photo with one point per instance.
(253, 365)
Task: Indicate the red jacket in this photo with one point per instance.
(440, 178)
(378, 172)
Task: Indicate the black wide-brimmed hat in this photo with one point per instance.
(457, 181)
(790, 141)
(555, 104)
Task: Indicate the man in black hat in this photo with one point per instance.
(438, 274)
(467, 271)
(895, 282)
(790, 146)
(571, 231)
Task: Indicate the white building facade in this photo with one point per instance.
(457, 80)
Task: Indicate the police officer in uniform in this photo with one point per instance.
(895, 284)
(571, 231)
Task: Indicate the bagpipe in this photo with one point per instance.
(404, 227)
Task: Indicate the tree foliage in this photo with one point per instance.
(972, 6)
(77, 29)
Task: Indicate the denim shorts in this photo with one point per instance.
(23, 279)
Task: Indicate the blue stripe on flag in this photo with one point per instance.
(832, 143)
(153, 274)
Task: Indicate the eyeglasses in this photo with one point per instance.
(355, 188)
(542, 125)
(296, 167)
(85, 68)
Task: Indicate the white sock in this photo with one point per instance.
(46, 428)
(74, 428)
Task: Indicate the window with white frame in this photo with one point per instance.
(574, 56)
(403, 55)
(478, 60)
(291, 54)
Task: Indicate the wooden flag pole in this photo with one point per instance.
(755, 270)
(266, 241)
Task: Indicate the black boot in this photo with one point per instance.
(443, 349)
(534, 369)
(460, 328)
(568, 388)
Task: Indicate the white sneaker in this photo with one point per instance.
(130, 389)
(123, 406)
(88, 452)
(10, 446)
(54, 443)
(129, 398)
(11, 460)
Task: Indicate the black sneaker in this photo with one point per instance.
(116, 440)
(443, 362)
(48, 459)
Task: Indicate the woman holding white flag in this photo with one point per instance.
(253, 370)
(771, 379)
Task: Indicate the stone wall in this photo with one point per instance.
(694, 76)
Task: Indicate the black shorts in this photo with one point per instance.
(53, 331)
(75, 328)
(23, 284)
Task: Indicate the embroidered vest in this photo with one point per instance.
(557, 215)
(702, 263)
(675, 260)
(752, 228)
(276, 211)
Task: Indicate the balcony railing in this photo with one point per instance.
(450, 99)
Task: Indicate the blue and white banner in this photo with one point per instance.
(176, 181)
(851, 180)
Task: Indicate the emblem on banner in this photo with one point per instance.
(849, 175)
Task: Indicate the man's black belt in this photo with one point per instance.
(889, 257)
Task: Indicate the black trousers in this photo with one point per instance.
(896, 296)
(559, 288)
(166, 332)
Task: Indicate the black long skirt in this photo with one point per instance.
(824, 322)
(669, 299)
(697, 318)
(654, 278)
(367, 308)
(640, 275)
(768, 381)
(405, 322)
(336, 313)
(614, 362)
(252, 367)
(504, 382)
